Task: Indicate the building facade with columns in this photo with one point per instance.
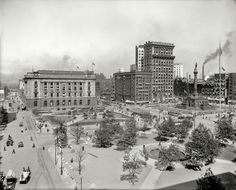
(59, 89)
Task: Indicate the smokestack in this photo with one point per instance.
(203, 74)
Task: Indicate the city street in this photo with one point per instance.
(43, 174)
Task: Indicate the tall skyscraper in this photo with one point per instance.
(158, 59)
(139, 56)
(178, 70)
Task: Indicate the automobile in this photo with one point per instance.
(20, 144)
(10, 180)
(9, 142)
(25, 175)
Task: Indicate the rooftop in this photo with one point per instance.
(59, 74)
(160, 43)
(133, 72)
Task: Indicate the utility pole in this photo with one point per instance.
(55, 151)
(81, 181)
(61, 163)
(220, 77)
(0, 59)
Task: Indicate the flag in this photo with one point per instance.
(93, 64)
(223, 69)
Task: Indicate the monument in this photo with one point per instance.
(195, 101)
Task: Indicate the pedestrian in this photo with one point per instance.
(43, 148)
(4, 148)
(33, 145)
(13, 151)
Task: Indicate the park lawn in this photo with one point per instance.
(228, 153)
(103, 167)
(148, 140)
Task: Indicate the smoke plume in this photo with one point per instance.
(226, 49)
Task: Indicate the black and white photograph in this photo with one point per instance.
(118, 94)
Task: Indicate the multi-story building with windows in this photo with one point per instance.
(220, 92)
(231, 87)
(158, 60)
(59, 89)
(139, 57)
(133, 86)
(178, 70)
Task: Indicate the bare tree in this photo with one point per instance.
(133, 165)
(76, 131)
(80, 155)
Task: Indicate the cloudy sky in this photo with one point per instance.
(61, 34)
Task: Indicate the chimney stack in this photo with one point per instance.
(203, 74)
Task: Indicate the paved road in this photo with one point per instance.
(44, 174)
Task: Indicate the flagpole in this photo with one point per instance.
(1, 59)
(220, 77)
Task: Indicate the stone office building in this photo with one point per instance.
(59, 89)
(158, 60)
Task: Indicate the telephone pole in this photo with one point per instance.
(220, 77)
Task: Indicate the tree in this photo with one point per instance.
(80, 155)
(133, 165)
(209, 182)
(167, 128)
(167, 156)
(4, 114)
(183, 129)
(103, 136)
(224, 129)
(61, 134)
(203, 146)
(130, 134)
(187, 123)
(115, 130)
(144, 153)
(144, 128)
(76, 131)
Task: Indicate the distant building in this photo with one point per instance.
(231, 87)
(217, 83)
(182, 87)
(104, 87)
(2, 97)
(158, 60)
(132, 67)
(178, 70)
(133, 86)
(59, 89)
(139, 57)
